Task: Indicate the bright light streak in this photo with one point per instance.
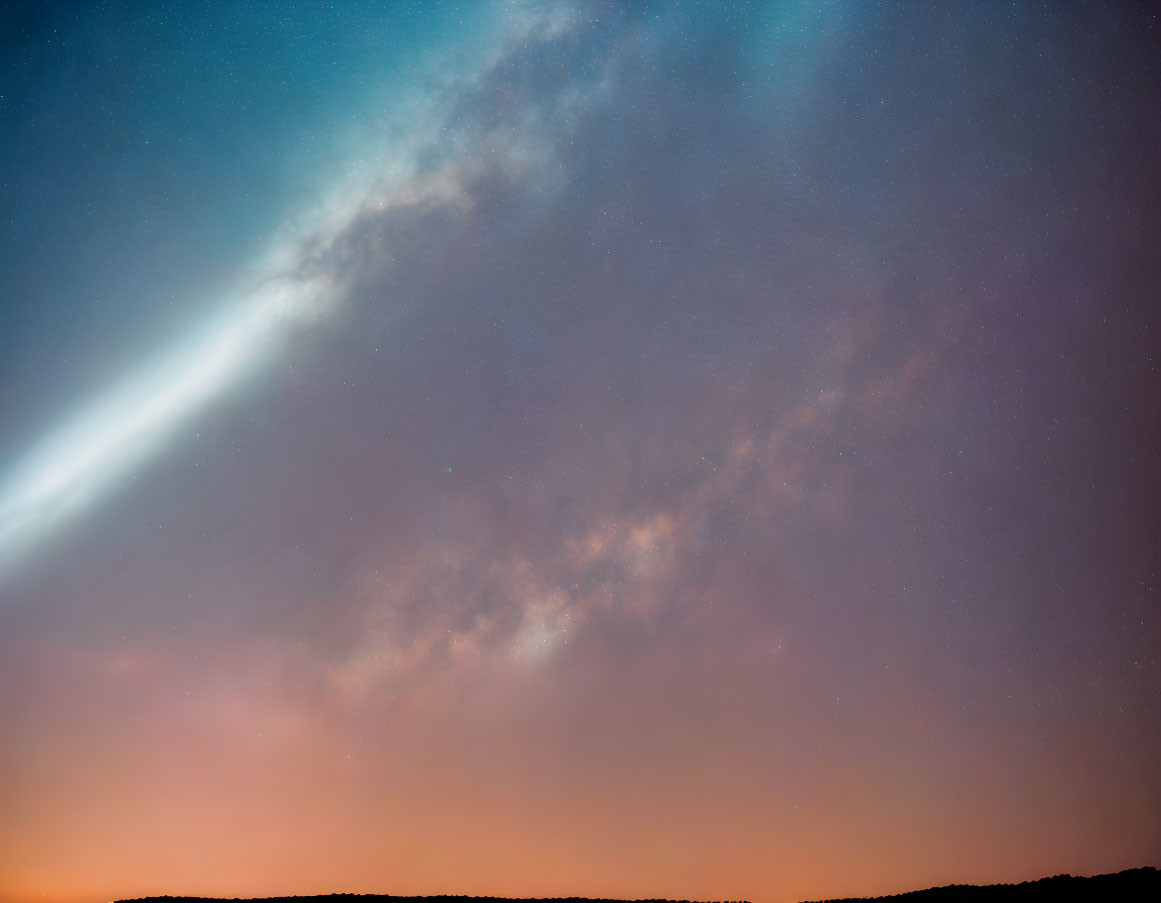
(101, 447)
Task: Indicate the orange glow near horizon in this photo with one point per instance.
(243, 793)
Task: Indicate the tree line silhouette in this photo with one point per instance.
(1141, 885)
(1131, 885)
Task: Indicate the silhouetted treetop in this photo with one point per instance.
(1143, 884)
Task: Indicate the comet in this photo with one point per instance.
(102, 446)
(115, 435)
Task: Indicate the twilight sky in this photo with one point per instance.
(544, 448)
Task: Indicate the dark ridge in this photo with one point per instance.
(388, 898)
(1142, 884)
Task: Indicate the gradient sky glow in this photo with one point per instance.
(573, 448)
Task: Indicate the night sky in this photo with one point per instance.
(544, 448)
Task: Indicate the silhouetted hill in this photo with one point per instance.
(1142, 884)
(387, 898)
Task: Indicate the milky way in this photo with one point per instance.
(575, 448)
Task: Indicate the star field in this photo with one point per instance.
(547, 448)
